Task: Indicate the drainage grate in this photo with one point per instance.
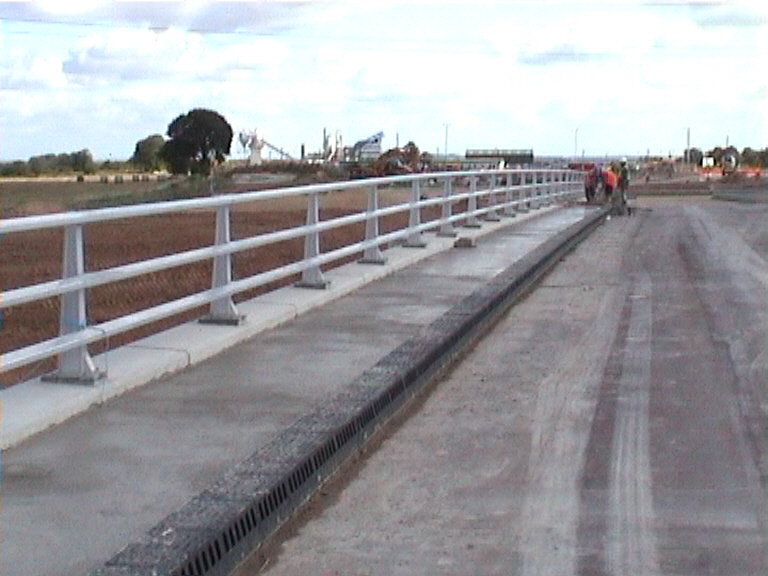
(308, 472)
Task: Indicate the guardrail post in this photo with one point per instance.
(537, 188)
(372, 254)
(312, 277)
(578, 185)
(446, 227)
(223, 310)
(522, 194)
(75, 365)
(509, 210)
(530, 191)
(414, 239)
(493, 215)
(551, 188)
(472, 221)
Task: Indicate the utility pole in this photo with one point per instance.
(576, 142)
(446, 141)
(688, 148)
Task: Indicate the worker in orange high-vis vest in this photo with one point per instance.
(609, 183)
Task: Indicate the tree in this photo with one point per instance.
(694, 156)
(197, 140)
(43, 164)
(146, 155)
(82, 161)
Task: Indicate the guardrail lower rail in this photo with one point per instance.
(504, 193)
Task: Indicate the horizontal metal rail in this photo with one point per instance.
(52, 288)
(60, 220)
(532, 187)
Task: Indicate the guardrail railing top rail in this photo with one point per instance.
(501, 192)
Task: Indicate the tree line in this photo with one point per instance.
(81, 162)
(195, 143)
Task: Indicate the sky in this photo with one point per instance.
(561, 78)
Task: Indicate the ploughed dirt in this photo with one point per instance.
(30, 258)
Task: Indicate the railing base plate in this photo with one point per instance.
(380, 261)
(57, 378)
(231, 321)
(322, 285)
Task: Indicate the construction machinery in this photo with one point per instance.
(729, 164)
(405, 160)
(395, 161)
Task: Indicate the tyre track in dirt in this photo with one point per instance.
(632, 544)
(671, 480)
(562, 417)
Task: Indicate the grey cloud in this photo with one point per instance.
(95, 63)
(560, 54)
(726, 15)
(254, 17)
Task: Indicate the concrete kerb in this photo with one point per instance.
(217, 529)
(33, 406)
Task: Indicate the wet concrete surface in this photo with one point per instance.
(76, 494)
(612, 423)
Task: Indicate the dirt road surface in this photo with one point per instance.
(613, 423)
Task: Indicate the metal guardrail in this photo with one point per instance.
(505, 191)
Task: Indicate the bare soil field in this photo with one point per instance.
(29, 258)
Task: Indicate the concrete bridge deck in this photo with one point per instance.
(613, 423)
(76, 493)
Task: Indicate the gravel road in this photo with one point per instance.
(613, 423)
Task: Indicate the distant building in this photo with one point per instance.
(366, 150)
(495, 156)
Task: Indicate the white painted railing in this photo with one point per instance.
(504, 192)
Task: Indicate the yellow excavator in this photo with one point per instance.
(405, 160)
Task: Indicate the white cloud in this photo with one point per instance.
(130, 54)
(27, 72)
(501, 74)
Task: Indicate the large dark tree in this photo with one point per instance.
(146, 155)
(197, 140)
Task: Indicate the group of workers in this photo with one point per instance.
(615, 177)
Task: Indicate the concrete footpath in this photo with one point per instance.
(79, 492)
